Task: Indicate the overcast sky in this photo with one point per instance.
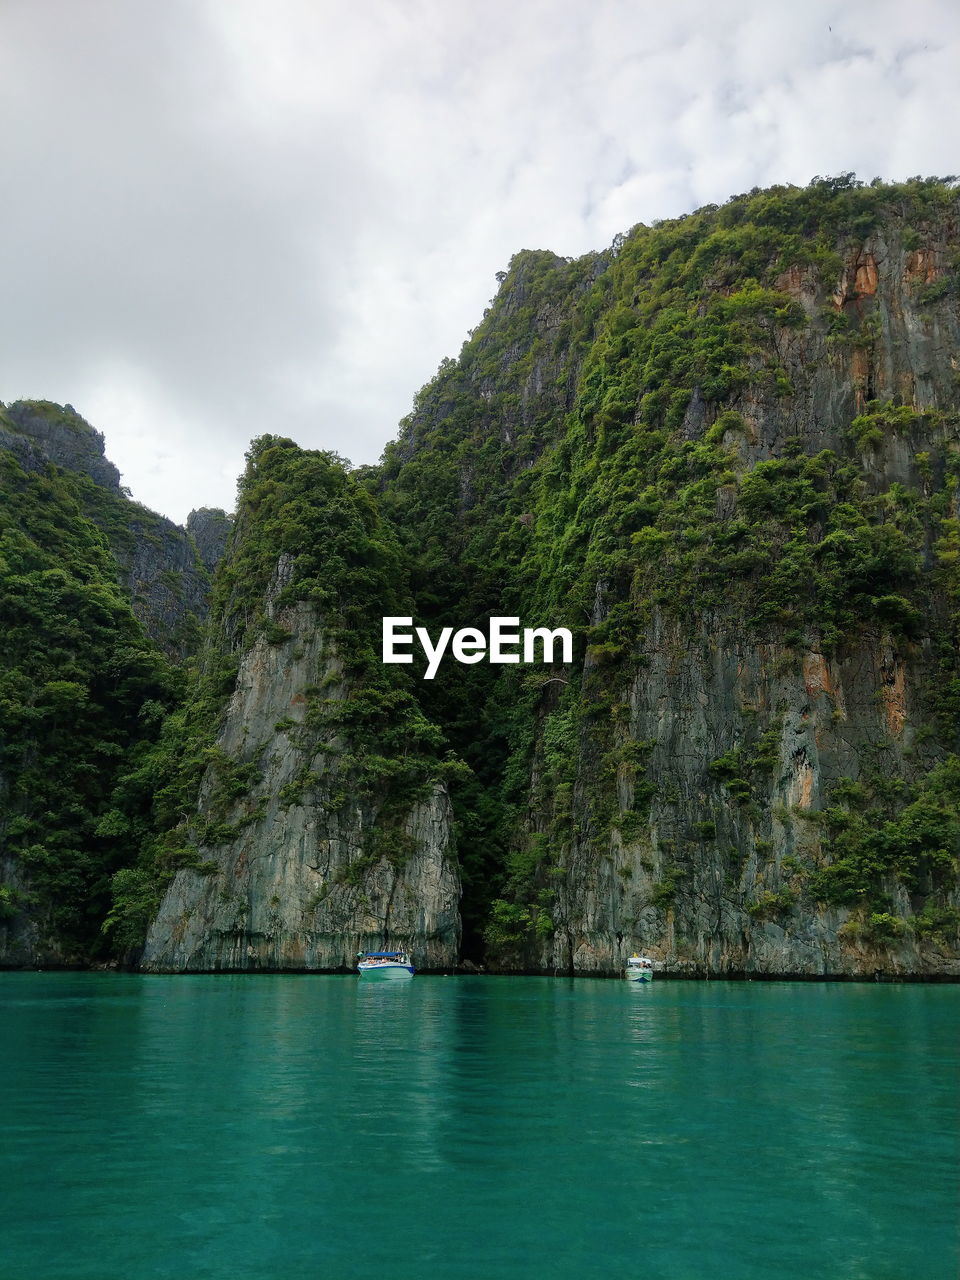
(226, 217)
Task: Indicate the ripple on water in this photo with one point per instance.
(315, 1126)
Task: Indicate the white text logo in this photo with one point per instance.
(502, 644)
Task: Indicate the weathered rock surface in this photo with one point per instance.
(209, 527)
(297, 888)
(638, 838)
(702, 889)
(167, 576)
(165, 569)
(697, 694)
(47, 432)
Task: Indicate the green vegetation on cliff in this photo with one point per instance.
(726, 454)
(306, 531)
(85, 572)
(691, 426)
(80, 688)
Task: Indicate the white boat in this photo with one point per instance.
(639, 969)
(384, 966)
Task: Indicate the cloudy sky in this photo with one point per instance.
(225, 217)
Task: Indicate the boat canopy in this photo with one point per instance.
(381, 955)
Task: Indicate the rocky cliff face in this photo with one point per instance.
(92, 587)
(748, 516)
(321, 823)
(296, 886)
(722, 875)
(209, 527)
(166, 575)
(83, 690)
(162, 567)
(715, 878)
(39, 432)
(726, 454)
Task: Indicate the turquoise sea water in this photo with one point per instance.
(288, 1127)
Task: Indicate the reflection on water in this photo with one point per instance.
(254, 1127)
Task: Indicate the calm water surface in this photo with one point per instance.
(288, 1127)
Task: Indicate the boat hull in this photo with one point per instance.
(385, 972)
(639, 975)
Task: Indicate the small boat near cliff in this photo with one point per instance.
(638, 969)
(384, 966)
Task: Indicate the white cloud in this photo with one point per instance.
(235, 217)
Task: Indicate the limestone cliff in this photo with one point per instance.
(297, 887)
(715, 877)
(167, 575)
(746, 508)
(756, 734)
(322, 823)
(82, 692)
(160, 565)
(726, 454)
(209, 527)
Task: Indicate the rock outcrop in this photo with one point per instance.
(295, 886)
(38, 431)
(725, 453)
(719, 879)
(321, 824)
(167, 575)
(736, 774)
(714, 882)
(165, 569)
(209, 527)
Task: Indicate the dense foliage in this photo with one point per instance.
(81, 688)
(306, 531)
(599, 464)
(692, 429)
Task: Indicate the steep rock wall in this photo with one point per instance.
(42, 432)
(738, 485)
(166, 578)
(165, 569)
(719, 882)
(714, 882)
(297, 887)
